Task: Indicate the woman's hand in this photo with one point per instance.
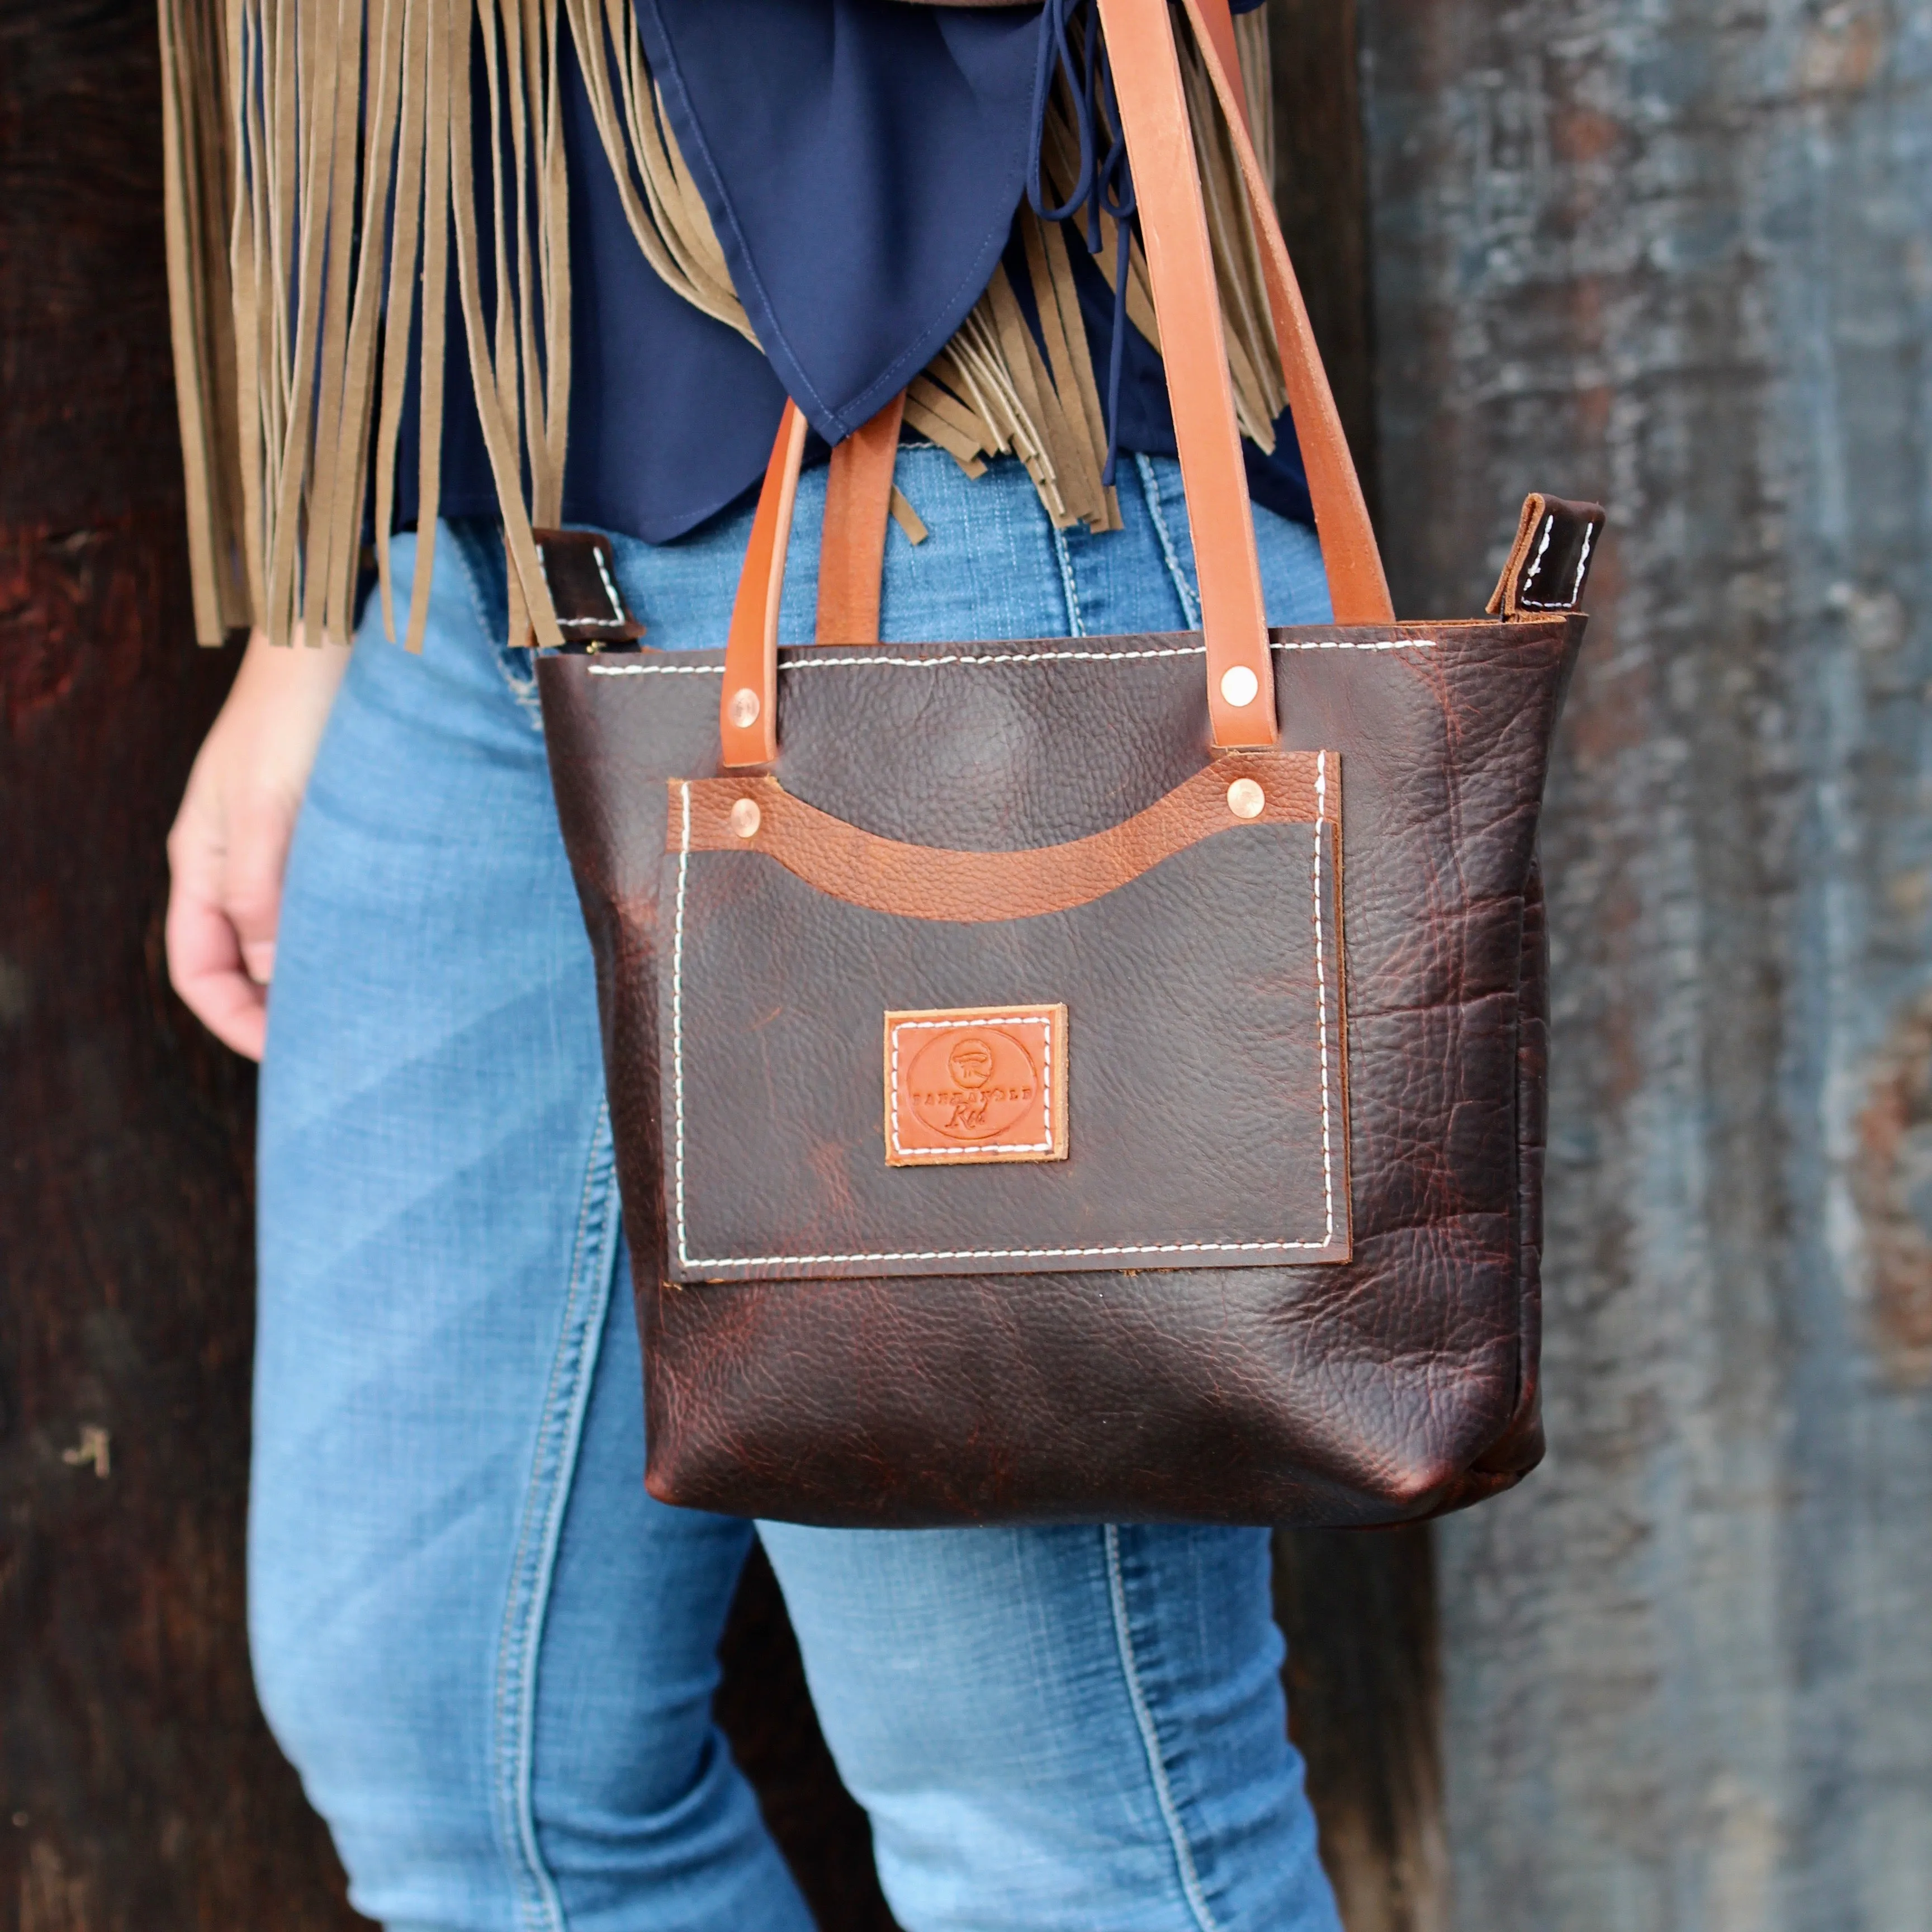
(230, 840)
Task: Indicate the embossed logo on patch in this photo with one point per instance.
(975, 1083)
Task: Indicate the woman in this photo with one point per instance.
(487, 273)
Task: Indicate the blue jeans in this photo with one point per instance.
(489, 1652)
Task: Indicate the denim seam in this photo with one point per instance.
(553, 1466)
(1076, 625)
(472, 588)
(1204, 1920)
(523, 688)
(1190, 606)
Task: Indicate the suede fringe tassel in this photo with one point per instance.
(318, 179)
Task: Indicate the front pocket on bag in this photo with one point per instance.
(1128, 1051)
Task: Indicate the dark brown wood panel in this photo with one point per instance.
(138, 1788)
(1364, 1706)
(1321, 189)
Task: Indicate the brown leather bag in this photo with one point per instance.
(1085, 1080)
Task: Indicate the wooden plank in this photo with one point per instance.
(1674, 254)
(141, 1788)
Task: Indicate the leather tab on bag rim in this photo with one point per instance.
(578, 570)
(1548, 568)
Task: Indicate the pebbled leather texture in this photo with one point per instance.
(1519, 1448)
(1382, 1388)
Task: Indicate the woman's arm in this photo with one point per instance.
(230, 840)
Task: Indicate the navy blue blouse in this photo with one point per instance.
(861, 161)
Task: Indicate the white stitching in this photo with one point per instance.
(1583, 564)
(1321, 989)
(945, 1026)
(1536, 564)
(1349, 644)
(657, 671)
(967, 1254)
(610, 589)
(1569, 603)
(677, 1015)
(1004, 658)
(617, 614)
(1005, 1254)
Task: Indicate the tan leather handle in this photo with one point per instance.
(1356, 587)
(1218, 26)
(748, 718)
(1187, 304)
(851, 561)
(1174, 227)
(852, 545)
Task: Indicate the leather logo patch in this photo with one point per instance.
(975, 1083)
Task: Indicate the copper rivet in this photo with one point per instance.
(1238, 686)
(1245, 799)
(745, 815)
(744, 708)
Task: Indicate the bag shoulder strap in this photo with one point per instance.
(1146, 70)
(1357, 588)
(852, 547)
(1240, 687)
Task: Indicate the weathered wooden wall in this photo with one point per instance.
(1679, 253)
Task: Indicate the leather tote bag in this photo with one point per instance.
(1085, 1080)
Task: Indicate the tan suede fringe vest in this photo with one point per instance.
(318, 153)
